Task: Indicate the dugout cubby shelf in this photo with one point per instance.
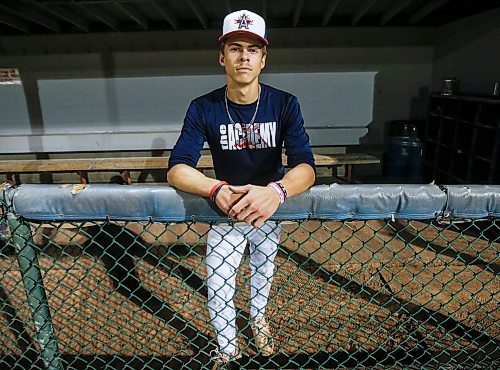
(462, 139)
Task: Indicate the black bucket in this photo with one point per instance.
(403, 154)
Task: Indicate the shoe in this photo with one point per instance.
(262, 335)
(223, 360)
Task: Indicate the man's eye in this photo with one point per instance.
(253, 51)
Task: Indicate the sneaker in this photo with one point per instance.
(262, 335)
(223, 360)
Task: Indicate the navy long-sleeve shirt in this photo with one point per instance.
(245, 153)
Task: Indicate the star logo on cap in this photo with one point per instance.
(243, 21)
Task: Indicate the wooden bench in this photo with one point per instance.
(126, 164)
(348, 160)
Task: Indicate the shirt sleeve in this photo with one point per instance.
(296, 140)
(188, 148)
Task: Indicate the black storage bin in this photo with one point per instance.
(403, 154)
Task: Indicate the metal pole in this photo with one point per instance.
(35, 290)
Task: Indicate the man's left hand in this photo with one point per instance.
(256, 206)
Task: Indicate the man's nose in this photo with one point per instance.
(245, 54)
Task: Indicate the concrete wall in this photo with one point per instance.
(469, 50)
(401, 58)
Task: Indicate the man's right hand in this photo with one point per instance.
(226, 199)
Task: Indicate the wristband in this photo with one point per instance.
(282, 188)
(279, 190)
(215, 190)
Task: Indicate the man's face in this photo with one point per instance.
(243, 59)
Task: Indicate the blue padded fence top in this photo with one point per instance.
(333, 202)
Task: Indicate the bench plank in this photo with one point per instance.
(323, 160)
(82, 165)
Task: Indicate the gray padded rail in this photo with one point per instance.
(323, 202)
(473, 201)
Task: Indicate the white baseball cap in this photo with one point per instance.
(244, 21)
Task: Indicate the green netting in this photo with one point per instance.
(354, 294)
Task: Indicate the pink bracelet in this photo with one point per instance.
(279, 190)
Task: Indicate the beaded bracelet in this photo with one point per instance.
(215, 190)
(279, 190)
(282, 188)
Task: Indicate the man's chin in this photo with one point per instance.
(244, 80)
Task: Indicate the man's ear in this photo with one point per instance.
(263, 61)
(221, 60)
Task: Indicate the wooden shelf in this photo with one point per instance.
(462, 139)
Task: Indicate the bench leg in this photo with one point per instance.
(13, 179)
(347, 172)
(348, 168)
(126, 177)
(84, 177)
(334, 172)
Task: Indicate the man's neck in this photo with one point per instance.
(247, 94)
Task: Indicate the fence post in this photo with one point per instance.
(35, 290)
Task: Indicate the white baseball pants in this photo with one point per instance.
(225, 247)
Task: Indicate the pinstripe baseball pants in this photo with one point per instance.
(225, 248)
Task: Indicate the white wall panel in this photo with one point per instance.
(159, 103)
(14, 116)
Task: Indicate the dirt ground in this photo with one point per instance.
(338, 286)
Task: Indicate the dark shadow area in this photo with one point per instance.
(418, 108)
(117, 179)
(23, 339)
(379, 358)
(14, 362)
(37, 124)
(417, 240)
(479, 229)
(404, 358)
(159, 176)
(6, 249)
(118, 362)
(334, 360)
(243, 325)
(116, 247)
(394, 304)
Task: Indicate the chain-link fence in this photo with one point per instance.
(366, 293)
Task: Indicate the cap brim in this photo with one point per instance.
(243, 32)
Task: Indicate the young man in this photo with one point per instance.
(246, 125)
